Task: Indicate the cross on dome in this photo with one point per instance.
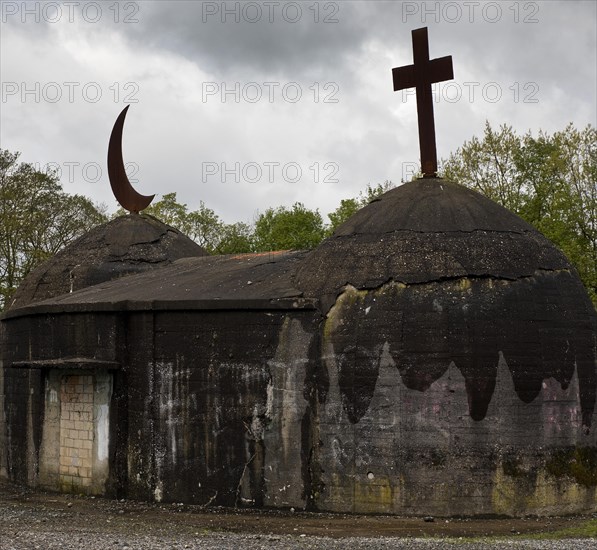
(420, 75)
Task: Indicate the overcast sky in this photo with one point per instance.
(246, 105)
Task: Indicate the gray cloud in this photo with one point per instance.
(288, 39)
(371, 132)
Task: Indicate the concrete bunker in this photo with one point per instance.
(436, 355)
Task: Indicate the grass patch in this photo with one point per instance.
(586, 529)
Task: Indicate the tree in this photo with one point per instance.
(36, 219)
(203, 225)
(282, 228)
(548, 180)
(275, 229)
(166, 210)
(235, 238)
(348, 207)
(490, 166)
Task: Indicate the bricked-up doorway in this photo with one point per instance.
(75, 449)
(76, 431)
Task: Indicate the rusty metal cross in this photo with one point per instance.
(421, 75)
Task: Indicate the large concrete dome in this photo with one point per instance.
(426, 230)
(445, 274)
(129, 244)
(458, 361)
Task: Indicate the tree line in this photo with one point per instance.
(548, 180)
(37, 219)
(280, 228)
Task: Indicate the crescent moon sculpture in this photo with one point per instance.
(124, 192)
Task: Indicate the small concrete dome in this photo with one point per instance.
(128, 244)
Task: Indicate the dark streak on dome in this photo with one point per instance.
(441, 274)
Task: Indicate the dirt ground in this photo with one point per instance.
(48, 510)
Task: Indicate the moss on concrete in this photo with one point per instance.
(579, 463)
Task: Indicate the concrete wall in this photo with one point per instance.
(205, 406)
(3, 441)
(410, 426)
(277, 408)
(422, 453)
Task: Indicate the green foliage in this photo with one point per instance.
(347, 208)
(203, 225)
(284, 228)
(586, 528)
(167, 210)
(36, 219)
(278, 228)
(235, 238)
(548, 180)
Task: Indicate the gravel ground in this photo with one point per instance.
(231, 541)
(39, 520)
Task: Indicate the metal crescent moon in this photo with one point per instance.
(124, 192)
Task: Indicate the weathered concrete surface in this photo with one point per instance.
(459, 348)
(415, 450)
(194, 395)
(128, 244)
(46, 348)
(287, 406)
(3, 441)
(242, 281)
(470, 322)
(423, 231)
(458, 377)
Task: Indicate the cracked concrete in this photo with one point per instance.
(128, 244)
(435, 356)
